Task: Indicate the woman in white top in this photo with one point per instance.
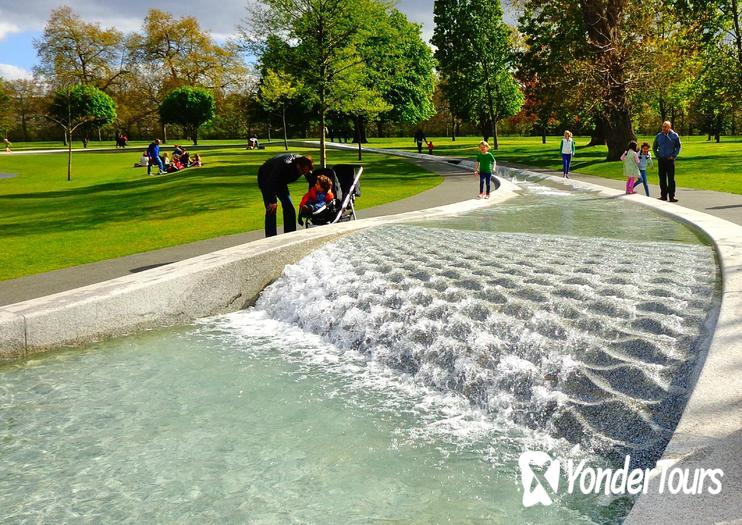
(568, 151)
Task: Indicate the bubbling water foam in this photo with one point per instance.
(591, 340)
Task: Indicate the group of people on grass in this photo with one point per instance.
(179, 160)
(636, 159)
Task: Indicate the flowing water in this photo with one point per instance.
(394, 375)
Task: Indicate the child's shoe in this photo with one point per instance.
(481, 196)
(486, 195)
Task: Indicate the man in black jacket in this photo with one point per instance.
(274, 177)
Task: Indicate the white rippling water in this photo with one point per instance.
(590, 340)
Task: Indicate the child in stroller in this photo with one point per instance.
(345, 180)
(317, 199)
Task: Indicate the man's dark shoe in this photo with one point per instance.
(662, 198)
(673, 199)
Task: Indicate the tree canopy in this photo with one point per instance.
(190, 107)
(475, 54)
(77, 106)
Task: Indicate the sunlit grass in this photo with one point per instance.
(111, 209)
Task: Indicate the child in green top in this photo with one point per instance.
(484, 166)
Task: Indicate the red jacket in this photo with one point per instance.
(311, 197)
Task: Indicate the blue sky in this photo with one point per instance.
(20, 22)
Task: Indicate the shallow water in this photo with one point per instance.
(395, 375)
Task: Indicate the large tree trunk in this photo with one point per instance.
(380, 128)
(618, 133)
(194, 136)
(164, 133)
(597, 137)
(603, 20)
(495, 143)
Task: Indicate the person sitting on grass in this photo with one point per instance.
(175, 165)
(196, 161)
(185, 158)
(143, 161)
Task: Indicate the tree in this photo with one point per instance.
(401, 68)
(603, 58)
(276, 91)
(76, 106)
(174, 52)
(475, 57)
(322, 37)
(72, 51)
(26, 97)
(7, 114)
(190, 107)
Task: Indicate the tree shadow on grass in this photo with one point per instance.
(151, 204)
(130, 185)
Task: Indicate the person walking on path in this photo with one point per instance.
(8, 144)
(274, 177)
(153, 152)
(645, 160)
(666, 149)
(630, 160)
(484, 166)
(568, 151)
(419, 139)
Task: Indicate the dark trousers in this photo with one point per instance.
(420, 147)
(666, 172)
(484, 178)
(289, 214)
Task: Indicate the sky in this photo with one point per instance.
(22, 22)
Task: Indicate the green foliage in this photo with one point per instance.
(277, 89)
(81, 104)
(190, 107)
(475, 54)
(400, 66)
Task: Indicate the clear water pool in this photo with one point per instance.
(395, 375)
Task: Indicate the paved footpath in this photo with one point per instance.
(458, 184)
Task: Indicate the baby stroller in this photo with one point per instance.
(345, 186)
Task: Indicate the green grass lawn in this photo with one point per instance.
(701, 165)
(111, 209)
